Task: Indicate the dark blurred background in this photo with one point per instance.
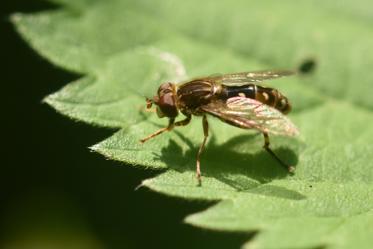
(54, 192)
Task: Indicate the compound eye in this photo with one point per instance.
(167, 105)
(166, 100)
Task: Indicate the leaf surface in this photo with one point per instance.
(125, 49)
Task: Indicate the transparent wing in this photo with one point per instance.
(251, 114)
(250, 77)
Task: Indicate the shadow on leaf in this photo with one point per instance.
(245, 172)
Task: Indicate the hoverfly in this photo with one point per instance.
(236, 99)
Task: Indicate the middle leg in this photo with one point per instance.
(184, 121)
(205, 125)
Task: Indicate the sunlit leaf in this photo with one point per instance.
(125, 49)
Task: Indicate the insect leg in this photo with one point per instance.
(205, 125)
(184, 121)
(168, 128)
(288, 167)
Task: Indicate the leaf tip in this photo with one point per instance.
(93, 148)
(190, 219)
(52, 100)
(145, 183)
(142, 184)
(47, 100)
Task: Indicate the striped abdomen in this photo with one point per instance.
(266, 95)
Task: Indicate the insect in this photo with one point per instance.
(237, 99)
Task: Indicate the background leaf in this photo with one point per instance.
(124, 49)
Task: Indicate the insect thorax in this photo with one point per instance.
(194, 94)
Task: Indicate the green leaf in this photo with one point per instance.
(125, 49)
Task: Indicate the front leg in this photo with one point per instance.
(168, 128)
(184, 121)
(205, 125)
